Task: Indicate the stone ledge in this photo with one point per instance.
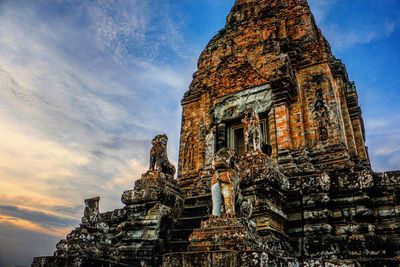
(154, 186)
(74, 262)
(226, 258)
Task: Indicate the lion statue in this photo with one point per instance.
(158, 156)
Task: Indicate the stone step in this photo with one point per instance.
(190, 222)
(196, 209)
(203, 210)
(196, 200)
(178, 246)
(180, 234)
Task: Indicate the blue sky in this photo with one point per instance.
(85, 85)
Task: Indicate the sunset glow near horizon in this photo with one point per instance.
(85, 85)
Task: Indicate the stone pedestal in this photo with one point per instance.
(152, 209)
(229, 242)
(154, 186)
(226, 259)
(74, 262)
(217, 234)
(265, 187)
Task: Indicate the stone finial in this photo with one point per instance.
(91, 213)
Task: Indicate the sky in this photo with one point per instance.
(85, 85)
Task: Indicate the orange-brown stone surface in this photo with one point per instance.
(274, 43)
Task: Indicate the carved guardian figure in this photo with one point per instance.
(158, 156)
(224, 183)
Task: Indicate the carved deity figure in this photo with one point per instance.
(210, 146)
(224, 183)
(91, 213)
(188, 153)
(321, 116)
(158, 156)
(251, 130)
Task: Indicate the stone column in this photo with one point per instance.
(272, 135)
(359, 138)
(221, 136)
(284, 91)
(282, 127)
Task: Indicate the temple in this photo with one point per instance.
(273, 167)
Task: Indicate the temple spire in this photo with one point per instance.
(245, 9)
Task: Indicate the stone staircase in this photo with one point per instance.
(195, 210)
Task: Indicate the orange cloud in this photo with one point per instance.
(30, 162)
(133, 171)
(28, 225)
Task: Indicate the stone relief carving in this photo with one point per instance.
(210, 146)
(321, 116)
(158, 156)
(233, 106)
(251, 130)
(188, 159)
(203, 128)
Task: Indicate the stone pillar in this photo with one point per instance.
(283, 127)
(284, 92)
(357, 123)
(221, 136)
(359, 138)
(272, 135)
(348, 127)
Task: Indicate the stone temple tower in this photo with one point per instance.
(273, 168)
(271, 56)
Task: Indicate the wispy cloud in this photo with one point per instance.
(341, 37)
(367, 27)
(321, 8)
(83, 89)
(125, 177)
(385, 154)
